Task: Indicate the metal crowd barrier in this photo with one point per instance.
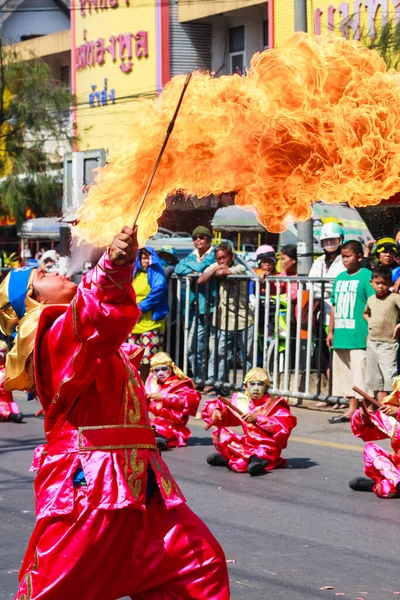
(282, 328)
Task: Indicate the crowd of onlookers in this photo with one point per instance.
(357, 308)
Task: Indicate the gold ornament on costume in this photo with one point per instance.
(393, 398)
(164, 359)
(257, 374)
(16, 375)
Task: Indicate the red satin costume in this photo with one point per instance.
(379, 464)
(126, 532)
(171, 414)
(7, 404)
(273, 415)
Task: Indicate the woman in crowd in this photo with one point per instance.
(150, 285)
(289, 265)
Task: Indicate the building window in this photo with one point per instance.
(265, 35)
(236, 49)
(64, 75)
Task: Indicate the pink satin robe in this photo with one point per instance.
(379, 465)
(7, 404)
(273, 415)
(171, 414)
(106, 539)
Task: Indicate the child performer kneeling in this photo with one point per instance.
(172, 399)
(9, 410)
(267, 423)
(381, 467)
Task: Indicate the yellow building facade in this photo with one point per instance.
(116, 57)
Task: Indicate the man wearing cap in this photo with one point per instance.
(196, 262)
(111, 520)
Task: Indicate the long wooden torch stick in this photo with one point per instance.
(240, 414)
(169, 131)
(366, 396)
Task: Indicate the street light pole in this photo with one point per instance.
(305, 237)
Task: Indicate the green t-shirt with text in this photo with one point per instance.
(349, 296)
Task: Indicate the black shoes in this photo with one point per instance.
(15, 418)
(216, 460)
(162, 442)
(361, 484)
(256, 466)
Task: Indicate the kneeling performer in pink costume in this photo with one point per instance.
(267, 423)
(111, 520)
(172, 399)
(381, 467)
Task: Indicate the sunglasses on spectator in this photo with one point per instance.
(162, 369)
(200, 237)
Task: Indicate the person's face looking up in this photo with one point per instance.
(268, 266)
(53, 288)
(224, 258)
(202, 243)
(351, 260)
(256, 389)
(162, 372)
(145, 260)
(289, 264)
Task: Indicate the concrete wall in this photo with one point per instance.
(19, 24)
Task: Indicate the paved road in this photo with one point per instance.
(290, 532)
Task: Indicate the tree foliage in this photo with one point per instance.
(35, 131)
(385, 40)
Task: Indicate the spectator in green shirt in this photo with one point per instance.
(348, 329)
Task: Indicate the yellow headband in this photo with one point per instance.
(163, 358)
(257, 374)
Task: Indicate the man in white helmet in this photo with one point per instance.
(328, 266)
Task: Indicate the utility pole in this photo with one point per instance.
(305, 237)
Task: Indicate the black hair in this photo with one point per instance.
(384, 272)
(224, 248)
(354, 246)
(290, 250)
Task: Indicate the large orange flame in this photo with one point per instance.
(318, 117)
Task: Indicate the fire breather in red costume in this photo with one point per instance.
(267, 423)
(111, 520)
(172, 399)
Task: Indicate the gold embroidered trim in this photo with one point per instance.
(67, 379)
(137, 468)
(134, 413)
(167, 485)
(28, 577)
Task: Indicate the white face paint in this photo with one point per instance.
(256, 389)
(162, 372)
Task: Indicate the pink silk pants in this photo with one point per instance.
(383, 468)
(157, 554)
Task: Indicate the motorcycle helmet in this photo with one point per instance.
(386, 244)
(264, 252)
(331, 231)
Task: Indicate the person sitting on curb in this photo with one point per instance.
(172, 399)
(267, 423)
